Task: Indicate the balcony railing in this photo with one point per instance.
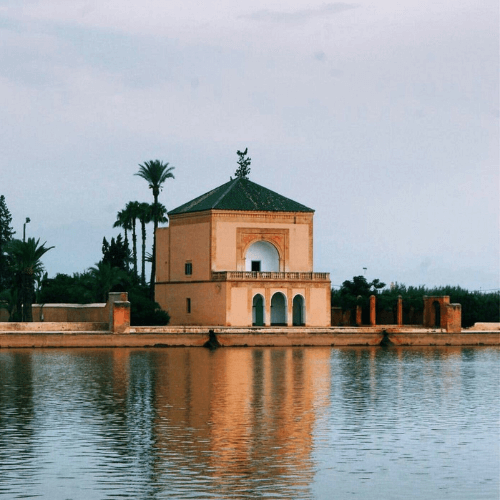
(253, 275)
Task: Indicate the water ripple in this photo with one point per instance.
(307, 423)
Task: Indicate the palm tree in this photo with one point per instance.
(145, 217)
(133, 211)
(155, 172)
(27, 266)
(123, 220)
(104, 277)
(160, 211)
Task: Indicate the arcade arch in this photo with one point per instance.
(278, 310)
(299, 311)
(258, 310)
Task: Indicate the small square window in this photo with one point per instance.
(256, 266)
(188, 305)
(188, 268)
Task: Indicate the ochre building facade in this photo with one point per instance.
(241, 255)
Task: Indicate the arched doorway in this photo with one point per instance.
(262, 256)
(258, 318)
(437, 314)
(299, 317)
(278, 310)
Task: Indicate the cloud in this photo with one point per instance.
(301, 15)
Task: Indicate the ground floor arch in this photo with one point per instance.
(258, 310)
(299, 311)
(278, 309)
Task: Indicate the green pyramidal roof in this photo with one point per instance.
(241, 194)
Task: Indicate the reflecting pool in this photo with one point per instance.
(250, 423)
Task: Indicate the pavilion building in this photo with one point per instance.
(241, 255)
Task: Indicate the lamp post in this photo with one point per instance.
(364, 271)
(24, 228)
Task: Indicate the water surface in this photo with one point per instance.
(294, 423)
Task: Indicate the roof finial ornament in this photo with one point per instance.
(243, 171)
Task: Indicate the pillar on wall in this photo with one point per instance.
(453, 318)
(373, 319)
(400, 311)
(267, 315)
(359, 320)
(289, 311)
(119, 312)
(427, 312)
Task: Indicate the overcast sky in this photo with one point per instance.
(382, 115)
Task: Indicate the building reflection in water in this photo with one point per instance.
(240, 413)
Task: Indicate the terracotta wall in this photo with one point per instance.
(162, 253)
(208, 300)
(92, 313)
(190, 243)
(76, 313)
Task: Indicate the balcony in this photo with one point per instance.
(276, 276)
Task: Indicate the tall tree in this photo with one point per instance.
(6, 233)
(133, 210)
(27, 266)
(243, 170)
(155, 173)
(145, 217)
(123, 220)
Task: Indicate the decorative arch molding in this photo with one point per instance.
(279, 238)
(265, 253)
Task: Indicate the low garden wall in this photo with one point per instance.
(65, 313)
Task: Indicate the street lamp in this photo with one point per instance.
(24, 228)
(364, 269)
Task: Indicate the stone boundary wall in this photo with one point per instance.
(51, 327)
(94, 313)
(64, 313)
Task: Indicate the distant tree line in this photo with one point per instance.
(476, 306)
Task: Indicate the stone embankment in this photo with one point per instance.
(99, 335)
